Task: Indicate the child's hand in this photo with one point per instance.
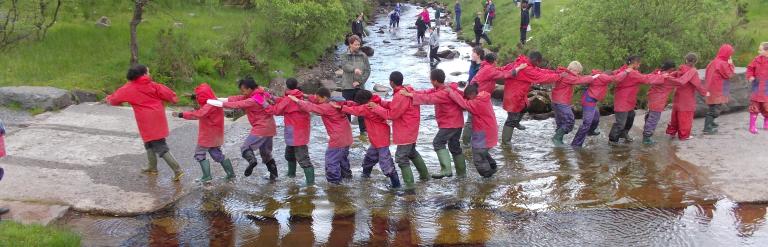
(293, 98)
(177, 114)
(708, 94)
(358, 72)
(334, 105)
(371, 105)
(750, 79)
(355, 84)
(730, 61)
(521, 67)
(595, 76)
(406, 93)
(215, 103)
(223, 99)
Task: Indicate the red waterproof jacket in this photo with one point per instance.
(147, 98)
(718, 76)
(404, 114)
(487, 76)
(485, 130)
(689, 81)
(625, 94)
(375, 125)
(598, 89)
(758, 69)
(297, 121)
(336, 123)
(449, 115)
(563, 91)
(658, 94)
(259, 115)
(210, 132)
(516, 88)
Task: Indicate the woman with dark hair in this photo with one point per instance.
(356, 70)
(147, 99)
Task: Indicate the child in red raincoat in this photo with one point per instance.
(2, 139)
(485, 133)
(757, 73)
(717, 79)
(255, 102)
(516, 90)
(595, 92)
(210, 134)
(561, 99)
(378, 132)
(405, 118)
(450, 120)
(661, 85)
(147, 99)
(297, 127)
(684, 104)
(339, 134)
(625, 99)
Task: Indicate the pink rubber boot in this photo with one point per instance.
(753, 123)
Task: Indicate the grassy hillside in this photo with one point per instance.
(182, 43)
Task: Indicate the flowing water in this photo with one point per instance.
(541, 196)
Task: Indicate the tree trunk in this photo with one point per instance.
(138, 10)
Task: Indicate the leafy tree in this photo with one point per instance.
(601, 34)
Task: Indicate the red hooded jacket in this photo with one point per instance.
(689, 81)
(375, 125)
(563, 91)
(516, 88)
(625, 95)
(485, 130)
(449, 115)
(210, 132)
(297, 121)
(758, 69)
(718, 75)
(487, 76)
(598, 89)
(147, 98)
(336, 123)
(259, 115)
(404, 114)
(658, 95)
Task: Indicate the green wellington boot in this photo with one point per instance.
(227, 165)
(291, 169)
(407, 176)
(558, 138)
(709, 127)
(151, 162)
(421, 167)
(205, 166)
(309, 175)
(445, 164)
(506, 135)
(461, 165)
(171, 161)
(647, 140)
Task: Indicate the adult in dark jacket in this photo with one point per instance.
(525, 20)
(421, 28)
(357, 27)
(479, 30)
(357, 69)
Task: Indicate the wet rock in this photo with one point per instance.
(448, 54)
(740, 92)
(83, 96)
(45, 98)
(462, 84)
(33, 213)
(103, 22)
(381, 88)
(539, 103)
(386, 42)
(420, 53)
(452, 47)
(542, 116)
(380, 31)
(457, 73)
(277, 86)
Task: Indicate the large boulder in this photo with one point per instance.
(539, 102)
(43, 98)
(498, 93)
(448, 54)
(740, 92)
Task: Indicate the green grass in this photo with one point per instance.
(15, 234)
(757, 14)
(76, 54)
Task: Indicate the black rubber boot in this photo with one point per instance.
(272, 168)
(252, 162)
